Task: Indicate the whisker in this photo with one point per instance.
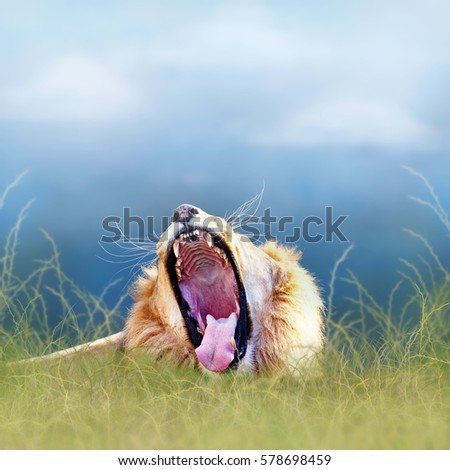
(131, 251)
(242, 213)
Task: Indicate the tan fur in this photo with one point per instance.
(148, 326)
(94, 348)
(285, 308)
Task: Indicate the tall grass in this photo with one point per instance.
(384, 378)
(27, 305)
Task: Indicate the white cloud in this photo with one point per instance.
(241, 37)
(72, 88)
(345, 121)
(245, 73)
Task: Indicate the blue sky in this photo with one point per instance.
(284, 74)
(151, 104)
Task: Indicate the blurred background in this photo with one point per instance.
(148, 105)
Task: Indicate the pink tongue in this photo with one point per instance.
(216, 351)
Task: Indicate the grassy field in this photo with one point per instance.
(383, 382)
(392, 394)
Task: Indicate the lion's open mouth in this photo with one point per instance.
(211, 296)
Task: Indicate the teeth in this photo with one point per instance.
(199, 330)
(233, 343)
(209, 239)
(178, 271)
(176, 247)
(178, 263)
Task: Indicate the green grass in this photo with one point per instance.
(367, 396)
(383, 382)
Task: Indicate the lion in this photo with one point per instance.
(215, 301)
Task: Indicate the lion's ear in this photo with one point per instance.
(279, 275)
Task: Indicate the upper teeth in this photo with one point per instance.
(179, 243)
(187, 235)
(176, 247)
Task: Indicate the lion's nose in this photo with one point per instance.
(184, 213)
